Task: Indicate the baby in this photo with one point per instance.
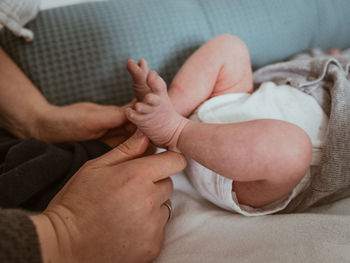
(242, 156)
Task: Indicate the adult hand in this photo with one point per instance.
(76, 122)
(117, 136)
(26, 113)
(111, 210)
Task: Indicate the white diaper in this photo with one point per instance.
(268, 102)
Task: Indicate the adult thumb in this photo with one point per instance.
(133, 147)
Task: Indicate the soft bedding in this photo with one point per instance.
(202, 232)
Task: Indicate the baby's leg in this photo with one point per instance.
(155, 116)
(265, 158)
(220, 66)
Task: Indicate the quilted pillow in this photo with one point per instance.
(79, 51)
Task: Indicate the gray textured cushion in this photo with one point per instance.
(79, 52)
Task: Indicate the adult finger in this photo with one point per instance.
(134, 147)
(118, 135)
(160, 166)
(114, 141)
(126, 130)
(163, 190)
(111, 116)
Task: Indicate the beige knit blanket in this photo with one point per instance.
(327, 79)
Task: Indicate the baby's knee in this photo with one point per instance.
(282, 150)
(231, 43)
(301, 148)
(294, 152)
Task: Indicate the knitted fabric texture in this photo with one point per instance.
(80, 51)
(327, 79)
(18, 238)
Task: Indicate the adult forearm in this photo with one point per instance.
(26, 113)
(20, 101)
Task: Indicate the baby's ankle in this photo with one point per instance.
(173, 143)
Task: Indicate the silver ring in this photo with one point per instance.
(167, 203)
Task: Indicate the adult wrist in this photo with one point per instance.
(23, 122)
(20, 100)
(41, 120)
(54, 237)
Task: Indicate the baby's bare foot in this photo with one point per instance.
(139, 74)
(155, 115)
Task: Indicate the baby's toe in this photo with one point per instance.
(135, 70)
(143, 108)
(156, 83)
(133, 115)
(131, 66)
(152, 99)
(143, 65)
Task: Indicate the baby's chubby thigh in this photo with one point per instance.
(277, 163)
(280, 159)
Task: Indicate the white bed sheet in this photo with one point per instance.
(202, 232)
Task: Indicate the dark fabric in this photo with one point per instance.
(18, 238)
(32, 172)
